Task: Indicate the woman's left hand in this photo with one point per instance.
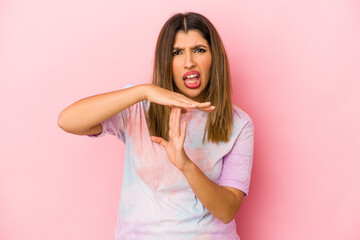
(174, 148)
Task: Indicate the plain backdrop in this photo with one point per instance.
(295, 68)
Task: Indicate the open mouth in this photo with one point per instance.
(192, 79)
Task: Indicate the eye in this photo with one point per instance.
(200, 50)
(176, 53)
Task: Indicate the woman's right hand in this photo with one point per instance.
(169, 98)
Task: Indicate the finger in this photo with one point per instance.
(159, 140)
(207, 109)
(177, 122)
(203, 104)
(183, 131)
(183, 104)
(171, 123)
(197, 104)
(183, 99)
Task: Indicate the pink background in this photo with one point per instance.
(295, 67)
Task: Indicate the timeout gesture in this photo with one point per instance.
(174, 147)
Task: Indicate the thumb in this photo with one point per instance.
(159, 140)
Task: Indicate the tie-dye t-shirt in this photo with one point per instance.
(156, 200)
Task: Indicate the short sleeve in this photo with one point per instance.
(237, 164)
(116, 124)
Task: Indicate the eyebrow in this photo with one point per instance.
(192, 48)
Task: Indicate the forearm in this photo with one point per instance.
(88, 112)
(219, 200)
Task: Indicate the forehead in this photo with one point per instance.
(191, 38)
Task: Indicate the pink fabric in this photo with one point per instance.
(237, 164)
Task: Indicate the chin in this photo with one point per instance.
(192, 95)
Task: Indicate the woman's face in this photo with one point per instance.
(191, 64)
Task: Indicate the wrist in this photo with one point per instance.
(144, 90)
(188, 167)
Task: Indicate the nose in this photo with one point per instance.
(189, 61)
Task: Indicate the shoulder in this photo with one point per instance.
(240, 116)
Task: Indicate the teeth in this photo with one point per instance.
(191, 81)
(191, 76)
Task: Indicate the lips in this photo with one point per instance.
(192, 79)
(191, 73)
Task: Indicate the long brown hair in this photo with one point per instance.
(218, 92)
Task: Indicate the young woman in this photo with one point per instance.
(189, 150)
